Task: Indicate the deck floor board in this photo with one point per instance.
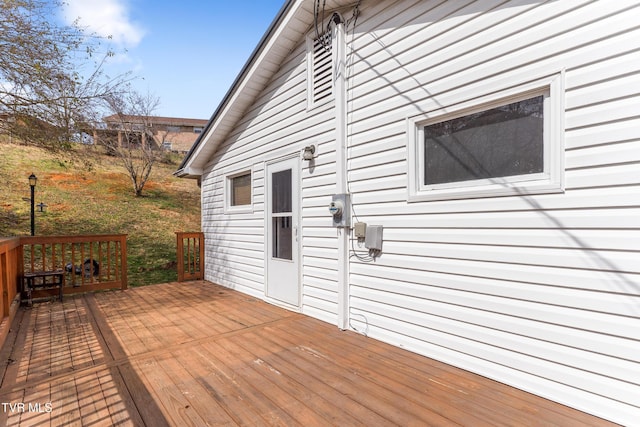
(200, 354)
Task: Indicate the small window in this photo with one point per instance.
(173, 129)
(197, 130)
(238, 192)
(510, 146)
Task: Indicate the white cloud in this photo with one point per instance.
(107, 18)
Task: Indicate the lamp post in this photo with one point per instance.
(32, 183)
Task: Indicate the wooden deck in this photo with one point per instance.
(199, 354)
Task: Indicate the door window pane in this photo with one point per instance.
(281, 191)
(500, 142)
(282, 237)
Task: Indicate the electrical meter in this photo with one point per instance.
(339, 209)
(336, 207)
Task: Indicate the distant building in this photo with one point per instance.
(170, 133)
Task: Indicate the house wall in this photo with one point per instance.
(277, 125)
(541, 292)
(538, 291)
(180, 141)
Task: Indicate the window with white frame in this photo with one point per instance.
(238, 192)
(506, 146)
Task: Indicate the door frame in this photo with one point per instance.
(296, 186)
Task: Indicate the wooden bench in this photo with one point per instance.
(30, 282)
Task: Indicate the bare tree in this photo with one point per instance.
(130, 138)
(49, 78)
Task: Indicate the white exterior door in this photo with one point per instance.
(282, 222)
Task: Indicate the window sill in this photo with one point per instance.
(490, 190)
(230, 210)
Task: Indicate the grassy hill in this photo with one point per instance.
(87, 192)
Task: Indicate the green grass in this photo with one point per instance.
(87, 192)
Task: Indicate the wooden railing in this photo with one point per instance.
(190, 250)
(10, 273)
(89, 263)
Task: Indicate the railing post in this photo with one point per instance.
(10, 276)
(201, 257)
(193, 258)
(123, 261)
(180, 255)
(4, 282)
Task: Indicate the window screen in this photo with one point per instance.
(281, 205)
(500, 142)
(281, 191)
(282, 237)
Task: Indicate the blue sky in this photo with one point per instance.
(186, 52)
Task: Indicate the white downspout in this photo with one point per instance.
(340, 96)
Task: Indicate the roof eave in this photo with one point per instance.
(188, 173)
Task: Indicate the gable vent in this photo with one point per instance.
(321, 72)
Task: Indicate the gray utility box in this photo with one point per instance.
(373, 237)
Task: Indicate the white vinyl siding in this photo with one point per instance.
(540, 291)
(537, 290)
(277, 125)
